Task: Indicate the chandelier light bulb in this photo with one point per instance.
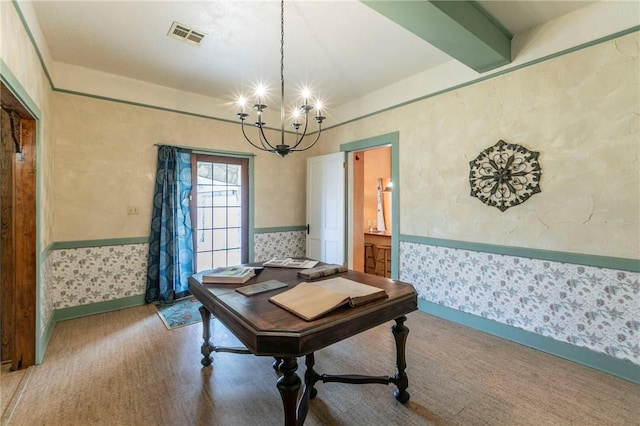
(242, 102)
(306, 94)
(261, 90)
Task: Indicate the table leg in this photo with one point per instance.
(276, 363)
(310, 376)
(400, 332)
(309, 391)
(288, 385)
(206, 347)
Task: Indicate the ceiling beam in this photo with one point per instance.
(458, 28)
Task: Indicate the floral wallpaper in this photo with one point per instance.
(96, 274)
(81, 276)
(593, 307)
(587, 306)
(279, 244)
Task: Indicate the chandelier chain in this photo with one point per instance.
(282, 48)
(282, 72)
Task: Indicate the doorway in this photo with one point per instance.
(356, 222)
(372, 212)
(18, 232)
(220, 211)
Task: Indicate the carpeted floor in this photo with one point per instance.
(181, 313)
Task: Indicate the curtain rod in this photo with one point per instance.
(199, 150)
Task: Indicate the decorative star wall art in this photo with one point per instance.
(505, 175)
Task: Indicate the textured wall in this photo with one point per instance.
(580, 111)
(105, 160)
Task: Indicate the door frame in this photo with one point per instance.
(247, 198)
(390, 139)
(27, 347)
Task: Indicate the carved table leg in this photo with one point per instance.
(206, 347)
(288, 385)
(276, 363)
(309, 391)
(310, 376)
(400, 332)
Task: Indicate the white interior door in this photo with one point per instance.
(325, 208)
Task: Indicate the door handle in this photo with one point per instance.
(308, 229)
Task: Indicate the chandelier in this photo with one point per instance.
(300, 114)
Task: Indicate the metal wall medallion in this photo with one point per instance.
(505, 175)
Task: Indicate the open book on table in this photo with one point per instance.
(290, 263)
(312, 300)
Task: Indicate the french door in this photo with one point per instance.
(219, 211)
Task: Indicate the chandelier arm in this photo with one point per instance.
(304, 132)
(264, 140)
(312, 144)
(253, 144)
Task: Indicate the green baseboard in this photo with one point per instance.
(617, 367)
(97, 308)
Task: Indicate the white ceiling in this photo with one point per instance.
(343, 49)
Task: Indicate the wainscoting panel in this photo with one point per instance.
(592, 307)
(88, 275)
(85, 275)
(279, 244)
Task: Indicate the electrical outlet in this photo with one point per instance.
(132, 210)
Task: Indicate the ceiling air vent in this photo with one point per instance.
(186, 34)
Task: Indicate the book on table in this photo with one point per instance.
(257, 288)
(310, 301)
(321, 271)
(290, 263)
(228, 275)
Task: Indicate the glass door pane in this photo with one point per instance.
(221, 211)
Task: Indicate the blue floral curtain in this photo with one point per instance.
(171, 246)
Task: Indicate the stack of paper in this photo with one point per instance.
(228, 275)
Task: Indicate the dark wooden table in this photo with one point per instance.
(268, 330)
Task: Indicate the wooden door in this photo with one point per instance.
(7, 273)
(17, 232)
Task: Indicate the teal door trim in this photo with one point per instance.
(391, 139)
